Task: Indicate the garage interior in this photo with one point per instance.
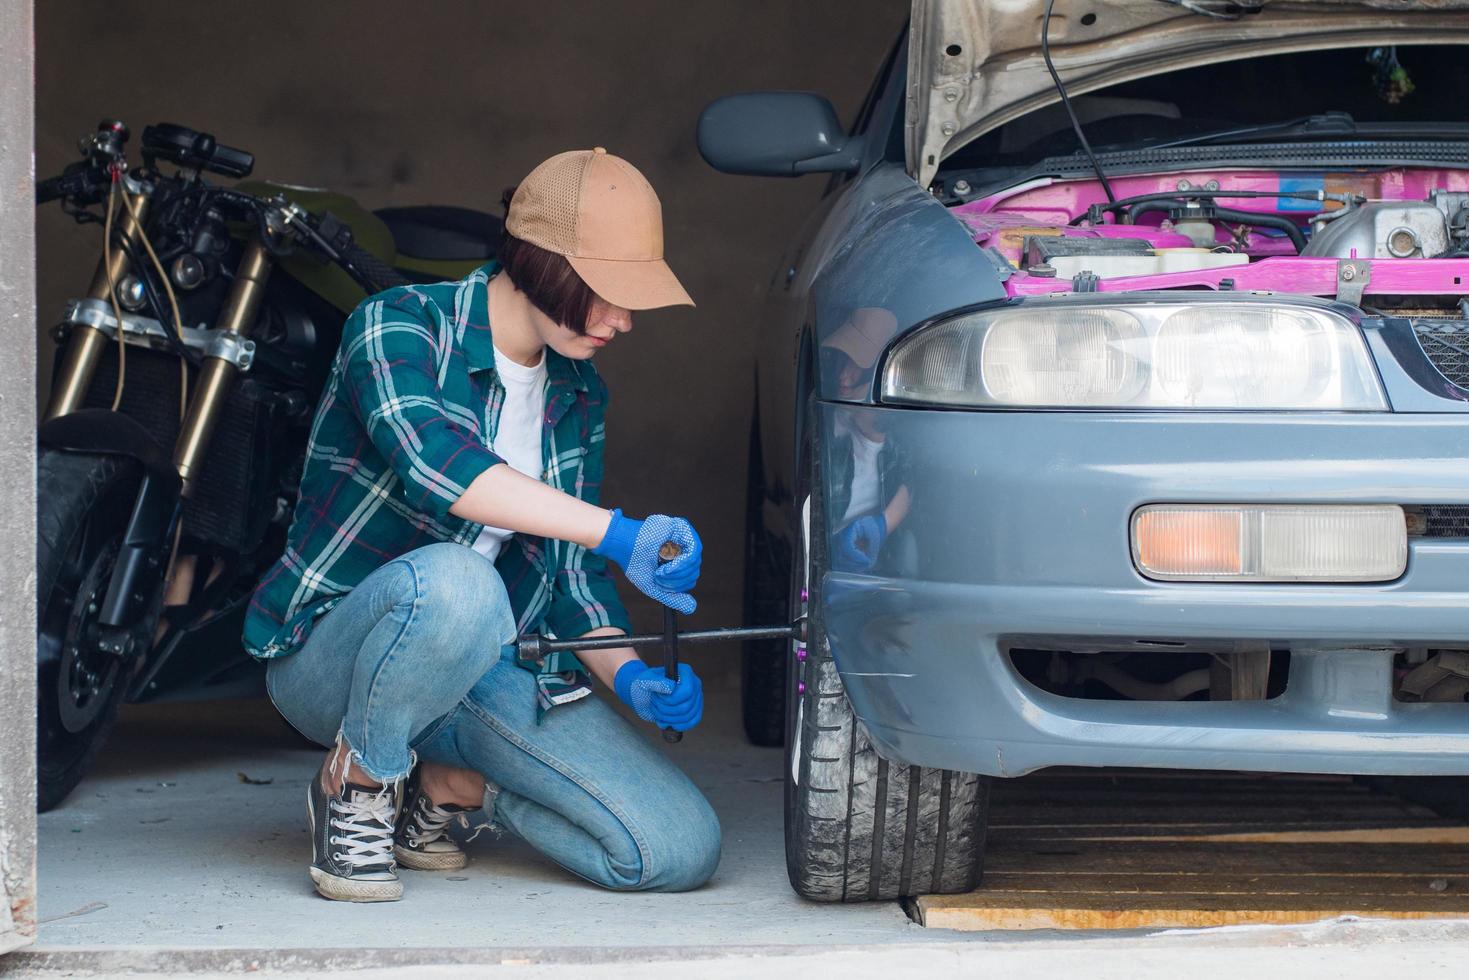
(189, 833)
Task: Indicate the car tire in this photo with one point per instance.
(767, 583)
(859, 827)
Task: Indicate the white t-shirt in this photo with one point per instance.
(518, 436)
(866, 491)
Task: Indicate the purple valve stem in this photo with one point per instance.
(800, 687)
(800, 651)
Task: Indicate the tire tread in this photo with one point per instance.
(68, 486)
(860, 827)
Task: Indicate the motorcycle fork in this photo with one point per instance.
(158, 504)
(219, 370)
(85, 346)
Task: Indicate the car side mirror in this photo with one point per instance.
(775, 134)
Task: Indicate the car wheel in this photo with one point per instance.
(859, 827)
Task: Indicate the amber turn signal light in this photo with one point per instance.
(1270, 542)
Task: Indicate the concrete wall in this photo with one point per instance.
(450, 102)
(18, 464)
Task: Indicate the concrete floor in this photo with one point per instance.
(166, 843)
(167, 847)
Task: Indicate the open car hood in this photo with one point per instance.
(974, 65)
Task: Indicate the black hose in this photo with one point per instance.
(1131, 202)
(1292, 231)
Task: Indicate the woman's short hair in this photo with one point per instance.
(547, 280)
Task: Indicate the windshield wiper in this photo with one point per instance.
(1326, 124)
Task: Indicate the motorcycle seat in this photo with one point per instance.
(439, 233)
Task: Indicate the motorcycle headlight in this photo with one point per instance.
(1138, 356)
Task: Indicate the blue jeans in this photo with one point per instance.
(417, 658)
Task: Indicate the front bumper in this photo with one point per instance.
(1018, 537)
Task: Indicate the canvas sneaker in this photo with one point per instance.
(422, 841)
(352, 843)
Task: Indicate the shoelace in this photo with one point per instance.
(368, 824)
(430, 821)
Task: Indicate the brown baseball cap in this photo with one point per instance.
(601, 214)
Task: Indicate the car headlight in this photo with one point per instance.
(1217, 355)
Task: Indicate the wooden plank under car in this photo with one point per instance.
(1133, 849)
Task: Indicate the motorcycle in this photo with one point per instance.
(174, 435)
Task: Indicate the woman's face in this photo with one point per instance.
(604, 322)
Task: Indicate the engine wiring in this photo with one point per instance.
(137, 262)
(122, 364)
(178, 320)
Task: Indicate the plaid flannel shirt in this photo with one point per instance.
(403, 427)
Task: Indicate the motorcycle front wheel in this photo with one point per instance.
(83, 502)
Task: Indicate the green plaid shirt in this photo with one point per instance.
(402, 429)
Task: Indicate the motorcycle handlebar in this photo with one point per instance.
(191, 148)
(50, 189)
(369, 271)
(377, 272)
(77, 180)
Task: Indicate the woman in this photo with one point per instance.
(450, 502)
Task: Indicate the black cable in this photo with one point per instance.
(79, 213)
(151, 293)
(1066, 101)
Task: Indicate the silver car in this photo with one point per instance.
(1112, 412)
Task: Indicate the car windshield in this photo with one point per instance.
(1352, 93)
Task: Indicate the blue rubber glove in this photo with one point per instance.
(634, 546)
(655, 698)
(860, 541)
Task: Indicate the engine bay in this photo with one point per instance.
(1388, 240)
